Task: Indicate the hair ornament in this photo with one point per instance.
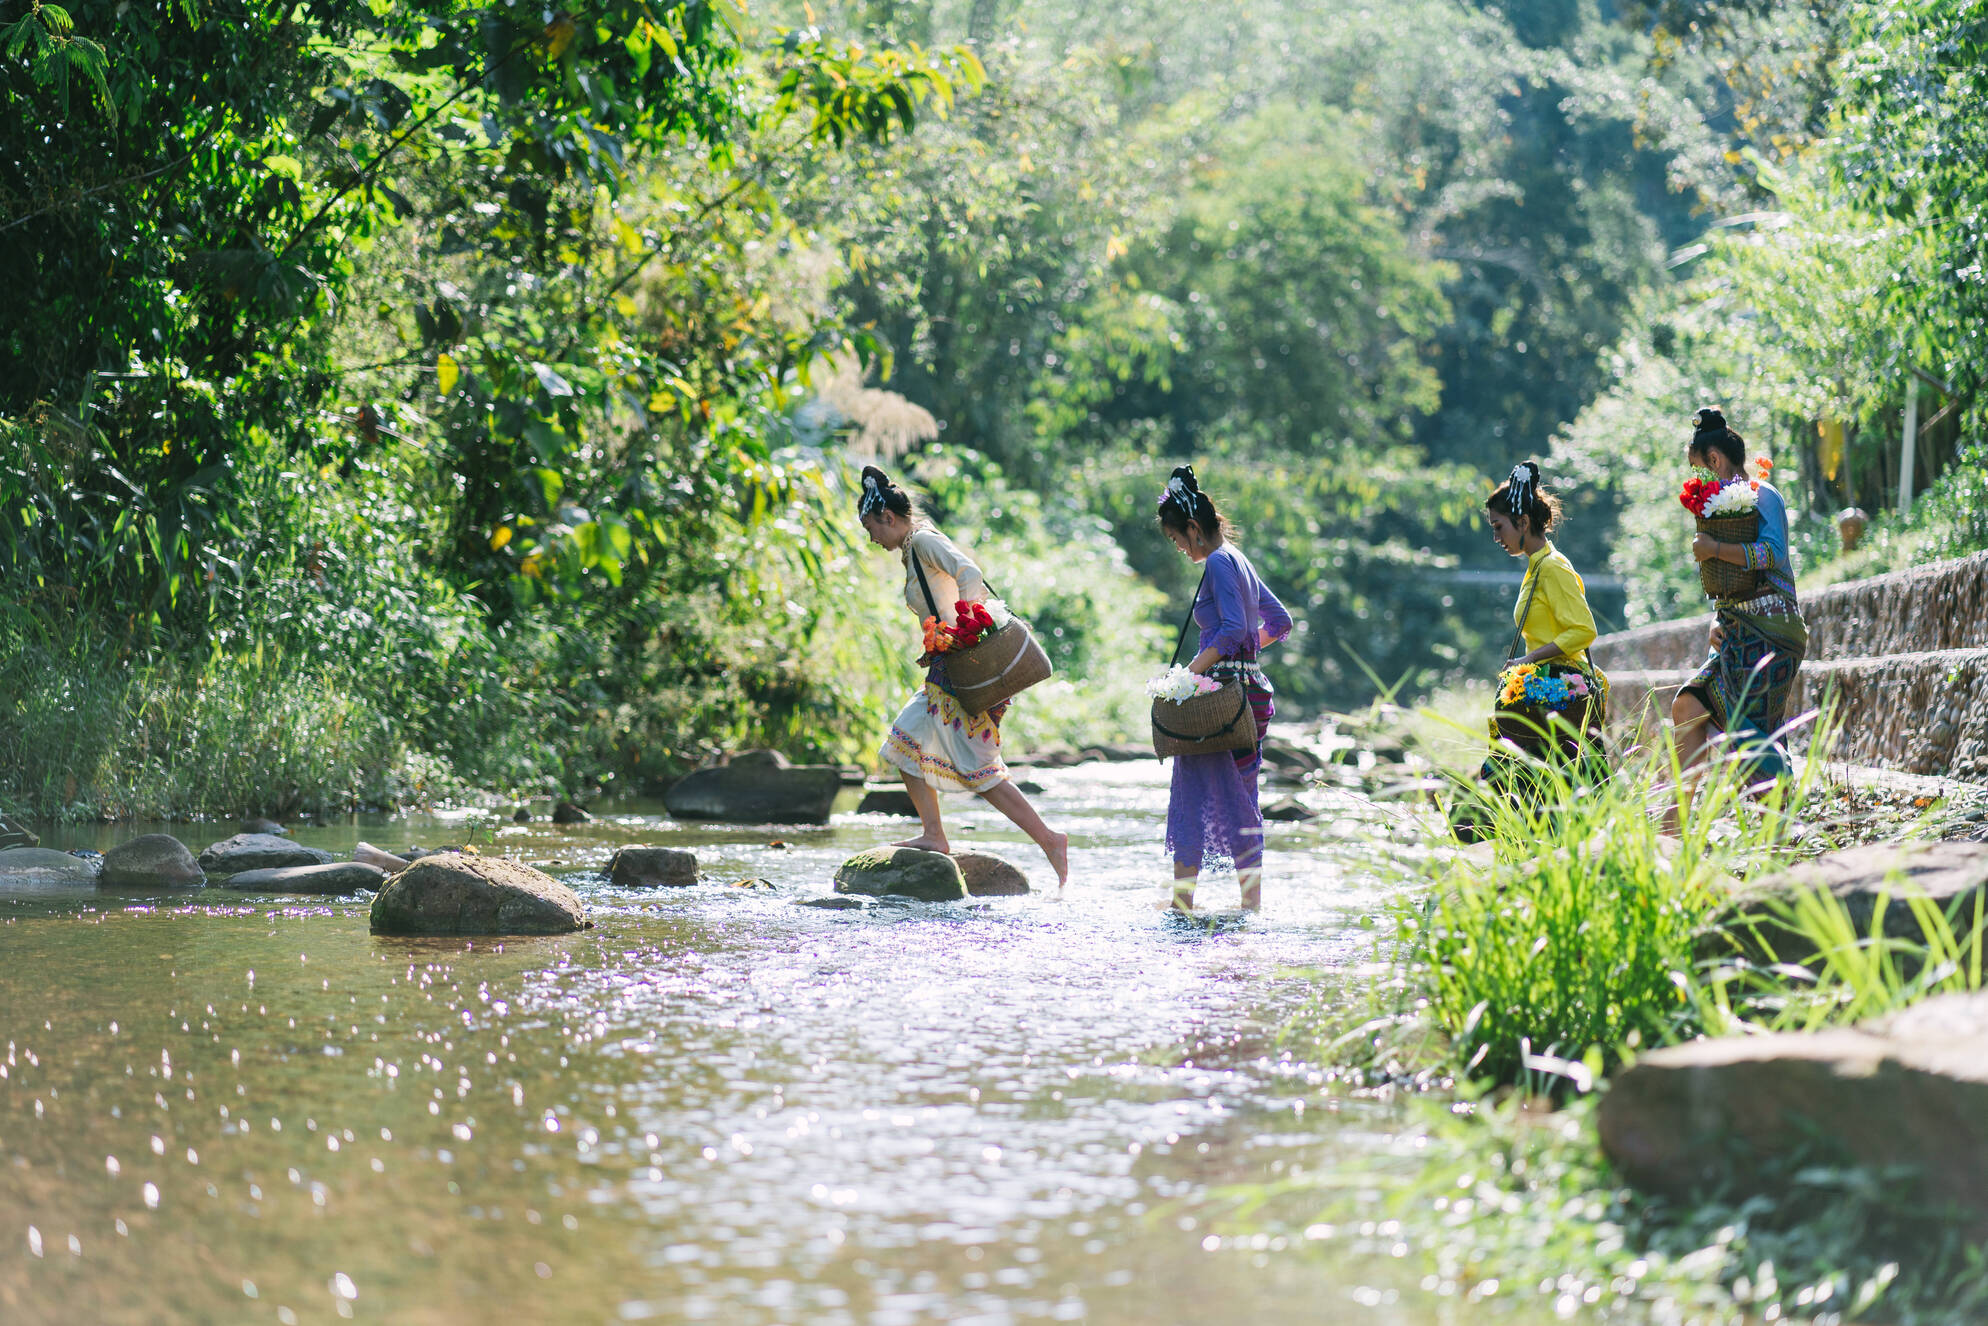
(1522, 489)
(872, 500)
(1179, 494)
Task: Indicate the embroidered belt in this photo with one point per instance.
(1773, 604)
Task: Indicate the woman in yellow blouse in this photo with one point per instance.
(1552, 611)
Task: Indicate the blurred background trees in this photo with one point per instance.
(478, 382)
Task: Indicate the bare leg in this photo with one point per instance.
(1009, 800)
(1184, 879)
(1691, 728)
(1251, 879)
(925, 800)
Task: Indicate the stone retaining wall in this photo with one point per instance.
(1904, 656)
(1940, 606)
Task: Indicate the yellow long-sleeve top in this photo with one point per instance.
(1559, 607)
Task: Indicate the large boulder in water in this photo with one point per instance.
(905, 871)
(41, 867)
(1905, 1094)
(758, 787)
(151, 861)
(990, 876)
(332, 877)
(650, 867)
(460, 894)
(258, 851)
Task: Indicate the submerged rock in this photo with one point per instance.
(258, 851)
(752, 791)
(392, 863)
(1289, 810)
(1907, 1093)
(151, 861)
(887, 801)
(30, 867)
(566, 812)
(906, 871)
(650, 867)
(990, 876)
(834, 902)
(475, 895)
(332, 877)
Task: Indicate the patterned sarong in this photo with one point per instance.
(1744, 684)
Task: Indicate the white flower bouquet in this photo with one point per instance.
(1177, 685)
(1735, 499)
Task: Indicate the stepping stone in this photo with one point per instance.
(990, 876)
(258, 851)
(151, 861)
(460, 894)
(651, 867)
(333, 877)
(906, 871)
(757, 791)
(887, 801)
(41, 867)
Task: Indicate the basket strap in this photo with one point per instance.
(1517, 648)
(1241, 709)
(1182, 639)
(918, 565)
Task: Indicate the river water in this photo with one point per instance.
(713, 1106)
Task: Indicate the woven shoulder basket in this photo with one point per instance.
(1005, 663)
(1204, 724)
(1723, 580)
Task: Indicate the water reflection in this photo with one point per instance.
(714, 1106)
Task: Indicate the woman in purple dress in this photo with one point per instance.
(1213, 810)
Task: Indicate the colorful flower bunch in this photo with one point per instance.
(1705, 498)
(1531, 684)
(1177, 684)
(974, 621)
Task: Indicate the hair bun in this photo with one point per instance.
(1710, 419)
(883, 480)
(1185, 473)
(1532, 468)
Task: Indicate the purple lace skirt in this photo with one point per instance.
(1213, 811)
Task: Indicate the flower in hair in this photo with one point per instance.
(1177, 492)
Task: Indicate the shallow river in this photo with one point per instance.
(713, 1106)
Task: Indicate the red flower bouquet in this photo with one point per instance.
(1698, 494)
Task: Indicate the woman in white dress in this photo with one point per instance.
(935, 744)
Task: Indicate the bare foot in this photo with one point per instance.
(926, 844)
(1058, 853)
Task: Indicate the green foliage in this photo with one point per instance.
(1506, 1201)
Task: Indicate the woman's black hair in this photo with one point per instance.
(1182, 501)
(1709, 433)
(1523, 494)
(880, 494)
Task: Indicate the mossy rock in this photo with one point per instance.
(460, 894)
(907, 872)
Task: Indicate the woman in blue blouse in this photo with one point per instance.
(1213, 809)
(1757, 642)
